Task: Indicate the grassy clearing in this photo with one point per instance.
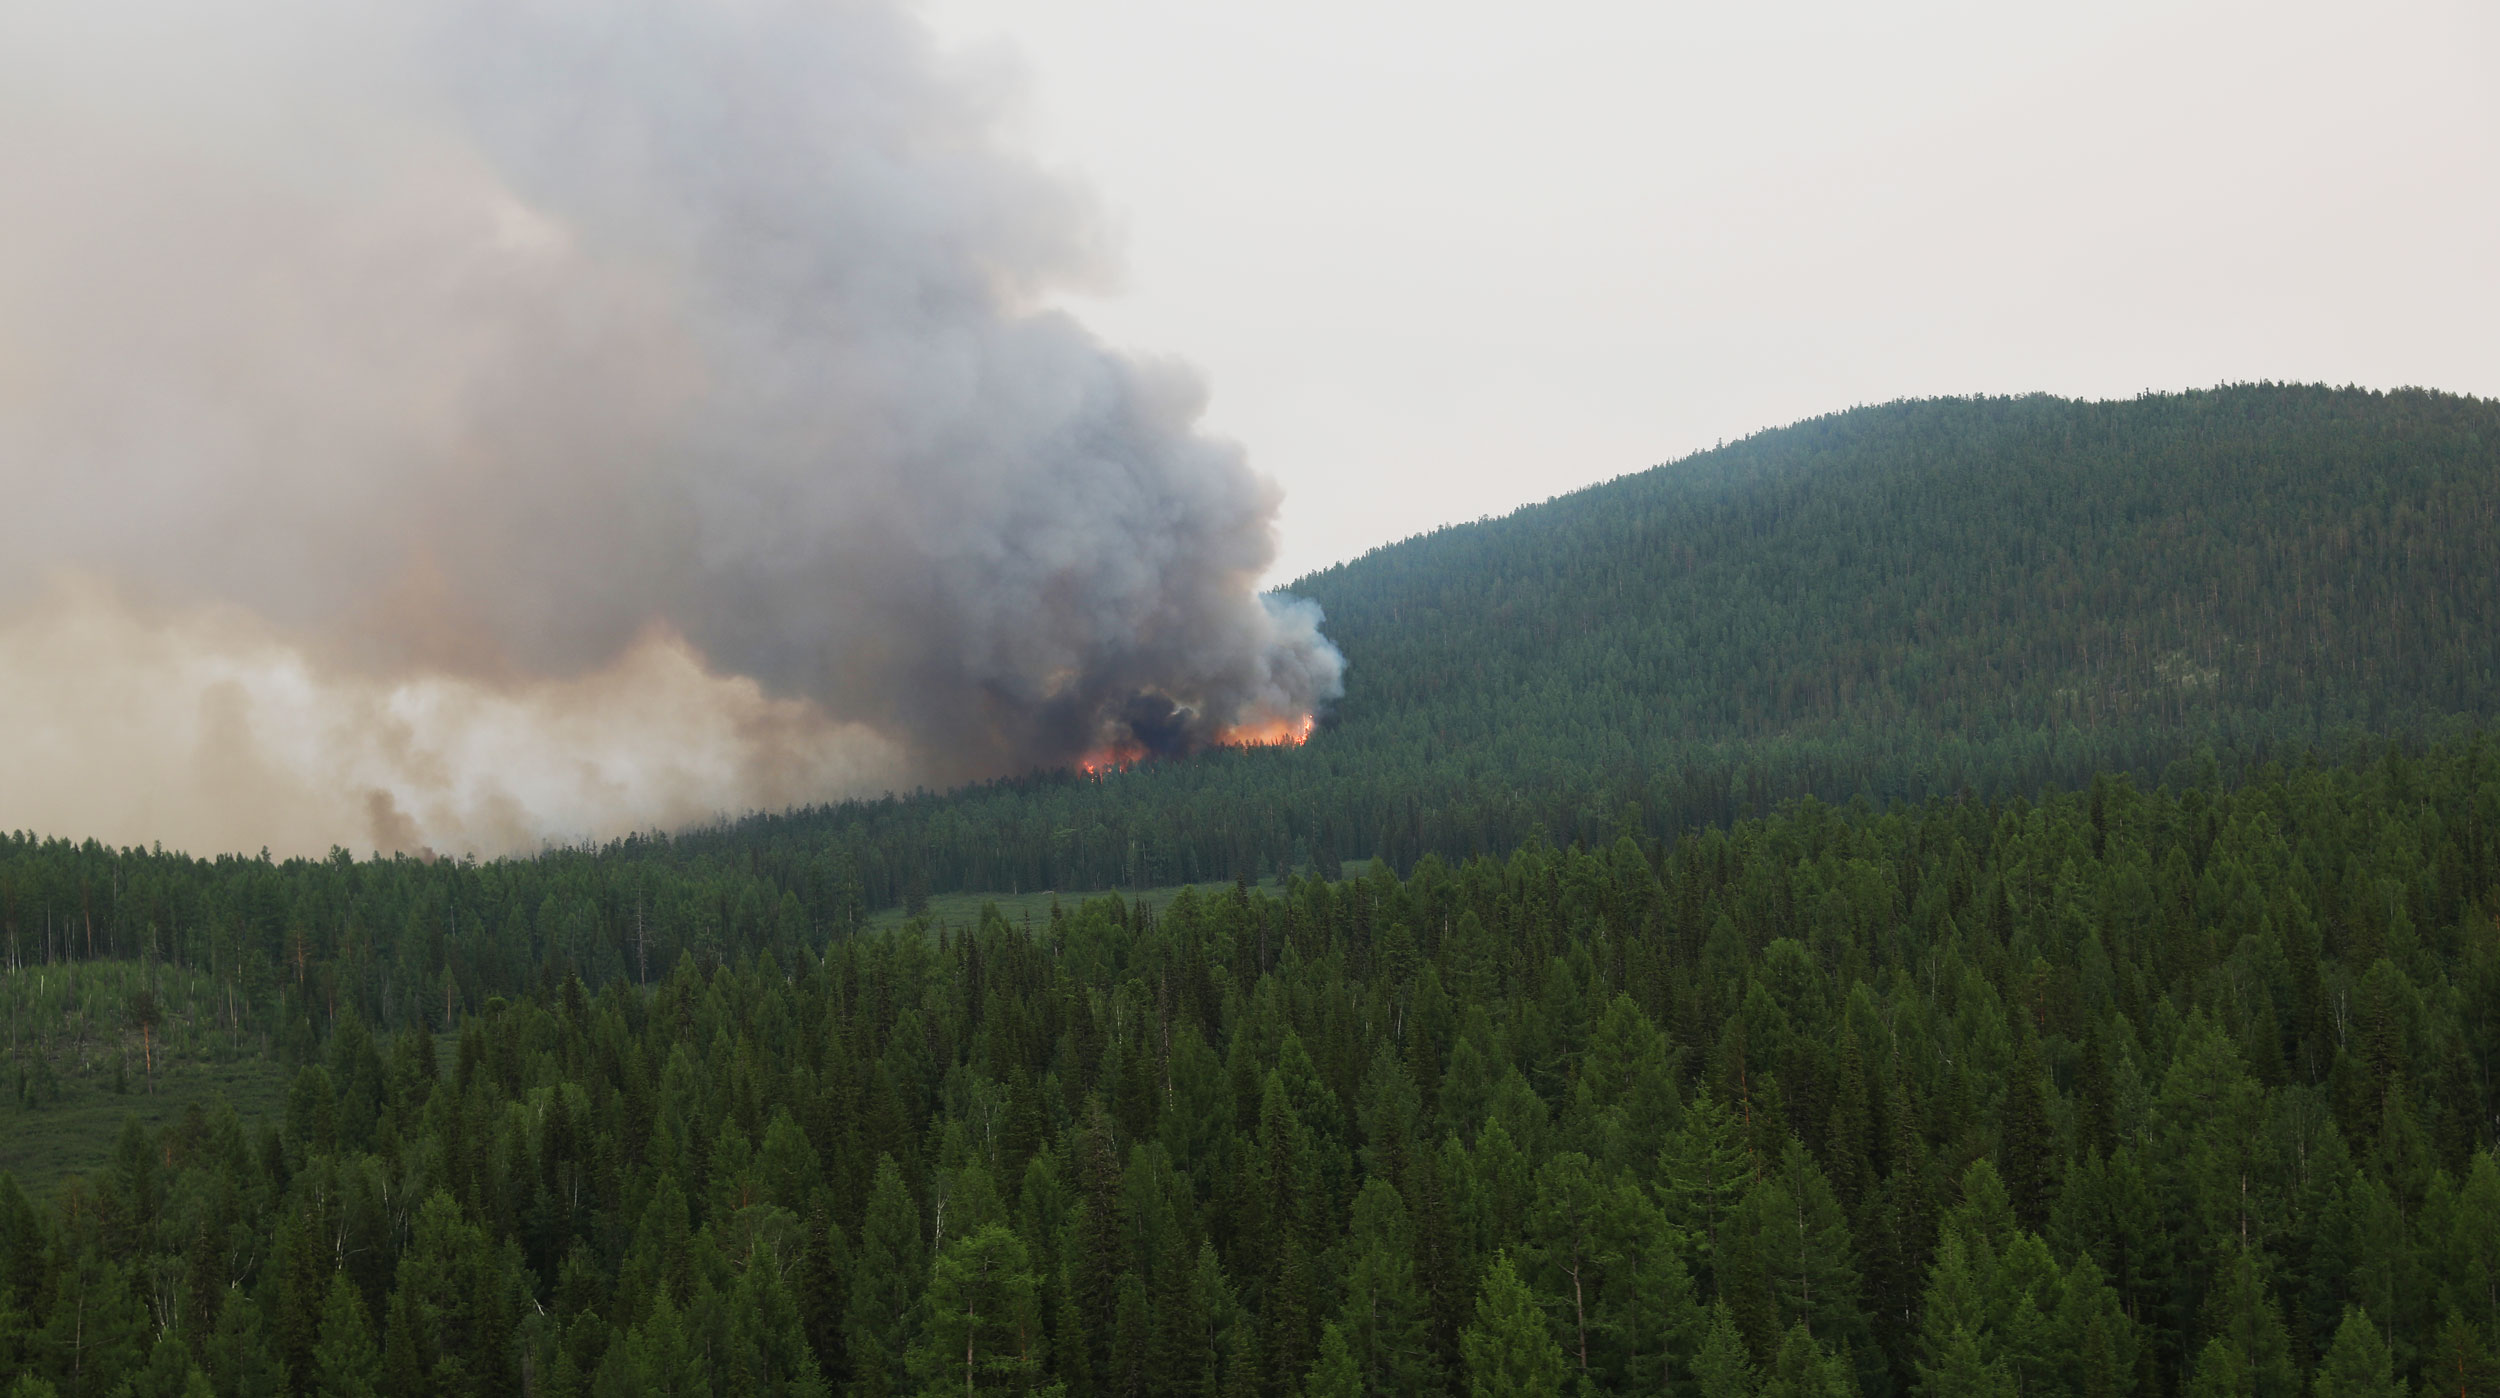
(76, 1031)
(957, 910)
(44, 1145)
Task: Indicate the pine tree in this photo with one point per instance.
(821, 1283)
(2357, 1364)
(1181, 1353)
(97, 1330)
(169, 1373)
(1705, 1171)
(1509, 1351)
(1564, 1226)
(1955, 1319)
(1801, 1239)
(1384, 1321)
(1957, 1369)
(2223, 1371)
(1131, 1339)
(2468, 1260)
(239, 1359)
(1647, 1321)
(345, 1362)
(2027, 1151)
(2459, 1361)
(295, 1304)
(1848, 1138)
(1334, 1374)
(1805, 1368)
(1286, 1180)
(981, 1332)
(2241, 1317)
(2096, 1115)
(2098, 1339)
(665, 1358)
(1245, 1369)
(1095, 1253)
(886, 1280)
(1721, 1368)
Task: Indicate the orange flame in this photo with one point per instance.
(1118, 755)
(1270, 733)
(1266, 733)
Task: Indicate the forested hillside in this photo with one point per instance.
(2174, 1091)
(1998, 595)
(2122, 1020)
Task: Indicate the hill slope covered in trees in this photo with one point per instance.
(1995, 595)
(2180, 1092)
(2158, 1087)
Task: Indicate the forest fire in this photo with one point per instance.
(1109, 759)
(1266, 733)
(1273, 733)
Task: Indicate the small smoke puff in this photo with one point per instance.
(488, 350)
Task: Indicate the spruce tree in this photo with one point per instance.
(886, 1282)
(1564, 1228)
(1095, 1253)
(1800, 1243)
(169, 1372)
(2241, 1317)
(2026, 1145)
(1648, 1319)
(1721, 1367)
(822, 1280)
(1509, 1351)
(1848, 1137)
(982, 1328)
(1335, 1374)
(240, 1361)
(345, 1362)
(2356, 1365)
(2460, 1360)
(1178, 1355)
(1806, 1368)
(1703, 1172)
(1385, 1319)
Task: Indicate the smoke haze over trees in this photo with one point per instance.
(1902, 601)
(483, 395)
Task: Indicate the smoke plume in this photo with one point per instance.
(463, 424)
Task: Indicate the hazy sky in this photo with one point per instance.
(1438, 260)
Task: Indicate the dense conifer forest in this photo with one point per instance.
(1915, 599)
(2174, 1091)
(1972, 897)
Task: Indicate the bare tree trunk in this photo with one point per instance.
(1580, 1315)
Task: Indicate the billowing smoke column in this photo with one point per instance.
(499, 348)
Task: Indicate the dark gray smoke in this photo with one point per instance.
(491, 342)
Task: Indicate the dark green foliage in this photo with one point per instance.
(1957, 1098)
(1915, 599)
(1509, 1351)
(982, 1332)
(346, 1364)
(1997, 596)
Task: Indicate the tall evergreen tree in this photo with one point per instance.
(1509, 1350)
(887, 1278)
(345, 1363)
(982, 1329)
(2357, 1364)
(2026, 1146)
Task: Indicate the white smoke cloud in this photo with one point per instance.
(561, 416)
